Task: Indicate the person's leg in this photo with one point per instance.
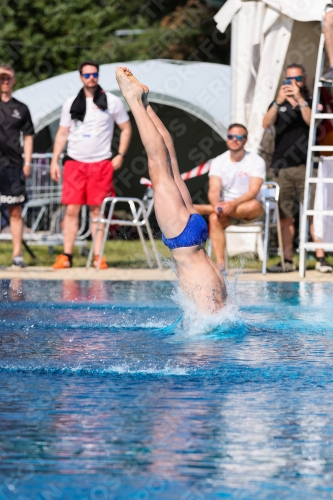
(320, 254)
(288, 234)
(71, 227)
(74, 184)
(13, 194)
(172, 154)
(217, 236)
(321, 265)
(288, 200)
(94, 214)
(204, 209)
(16, 228)
(248, 210)
(328, 32)
(170, 209)
(99, 186)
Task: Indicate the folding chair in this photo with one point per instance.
(269, 194)
(140, 210)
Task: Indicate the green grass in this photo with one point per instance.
(127, 254)
(242, 262)
(118, 253)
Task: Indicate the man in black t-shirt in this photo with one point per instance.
(14, 119)
(290, 113)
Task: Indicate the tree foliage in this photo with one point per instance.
(43, 39)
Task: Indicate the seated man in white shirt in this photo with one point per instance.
(235, 179)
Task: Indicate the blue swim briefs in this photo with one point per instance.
(195, 233)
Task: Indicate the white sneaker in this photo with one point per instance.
(327, 78)
(323, 267)
(19, 262)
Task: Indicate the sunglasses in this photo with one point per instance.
(239, 137)
(88, 75)
(296, 78)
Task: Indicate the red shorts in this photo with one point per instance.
(87, 183)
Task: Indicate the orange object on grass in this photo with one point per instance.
(62, 262)
(103, 262)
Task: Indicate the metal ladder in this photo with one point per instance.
(316, 117)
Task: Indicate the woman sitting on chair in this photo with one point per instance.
(184, 230)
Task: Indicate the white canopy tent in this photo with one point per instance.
(267, 35)
(201, 89)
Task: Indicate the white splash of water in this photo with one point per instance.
(168, 369)
(122, 368)
(195, 322)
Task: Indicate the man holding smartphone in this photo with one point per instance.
(290, 113)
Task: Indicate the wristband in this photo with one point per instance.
(276, 105)
(27, 163)
(121, 154)
(304, 104)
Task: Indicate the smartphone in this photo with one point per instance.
(287, 81)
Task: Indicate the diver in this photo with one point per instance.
(184, 230)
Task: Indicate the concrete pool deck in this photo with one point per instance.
(116, 274)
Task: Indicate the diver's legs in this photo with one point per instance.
(172, 152)
(171, 212)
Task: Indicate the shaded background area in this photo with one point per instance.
(194, 140)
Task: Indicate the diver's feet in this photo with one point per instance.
(133, 79)
(130, 87)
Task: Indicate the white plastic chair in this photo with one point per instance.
(269, 194)
(140, 210)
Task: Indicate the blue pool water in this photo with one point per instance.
(105, 394)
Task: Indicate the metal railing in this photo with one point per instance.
(140, 211)
(43, 211)
(43, 192)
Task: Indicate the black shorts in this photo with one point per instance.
(12, 186)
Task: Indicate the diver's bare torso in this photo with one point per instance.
(200, 279)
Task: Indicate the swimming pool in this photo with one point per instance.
(105, 395)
